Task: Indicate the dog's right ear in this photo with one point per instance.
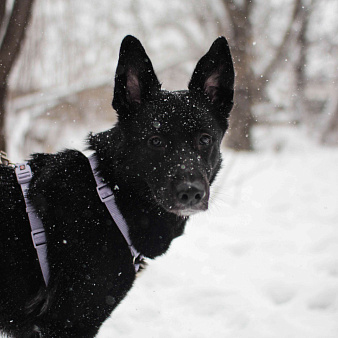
(135, 79)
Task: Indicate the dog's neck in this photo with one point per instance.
(107, 197)
(151, 228)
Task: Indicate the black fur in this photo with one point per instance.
(159, 159)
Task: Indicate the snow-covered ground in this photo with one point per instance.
(261, 263)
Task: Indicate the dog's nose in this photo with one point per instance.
(190, 193)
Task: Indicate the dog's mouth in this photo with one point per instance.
(186, 212)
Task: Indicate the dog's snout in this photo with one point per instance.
(190, 194)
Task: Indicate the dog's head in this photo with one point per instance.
(171, 140)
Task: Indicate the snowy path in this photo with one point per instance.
(262, 263)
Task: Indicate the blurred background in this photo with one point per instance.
(263, 262)
(59, 58)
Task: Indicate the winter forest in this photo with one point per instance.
(262, 262)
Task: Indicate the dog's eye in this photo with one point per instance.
(205, 140)
(156, 141)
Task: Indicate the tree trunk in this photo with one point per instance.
(3, 90)
(329, 134)
(250, 89)
(302, 45)
(241, 118)
(9, 50)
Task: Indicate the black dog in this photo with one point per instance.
(159, 160)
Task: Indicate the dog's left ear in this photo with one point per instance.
(135, 79)
(214, 76)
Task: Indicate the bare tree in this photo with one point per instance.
(241, 119)
(302, 46)
(13, 28)
(251, 87)
(259, 43)
(329, 131)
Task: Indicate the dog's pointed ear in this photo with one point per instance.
(135, 79)
(214, 76)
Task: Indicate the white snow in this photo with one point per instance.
(261, 263)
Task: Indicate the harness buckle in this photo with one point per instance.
(23, 173)
(104, 192)
(137, 261)
(38, 237)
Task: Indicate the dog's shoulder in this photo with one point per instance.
(42, 163)
(60, 178)
(10, 192)
(65, 166)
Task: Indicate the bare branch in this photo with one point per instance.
(11, 43)
(231, 8)
(248, 7)
(56, 95)
(283, 47)
(2, 11)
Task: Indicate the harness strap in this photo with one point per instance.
(24, 176)
(107, 197)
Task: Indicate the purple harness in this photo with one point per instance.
(24, 176)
